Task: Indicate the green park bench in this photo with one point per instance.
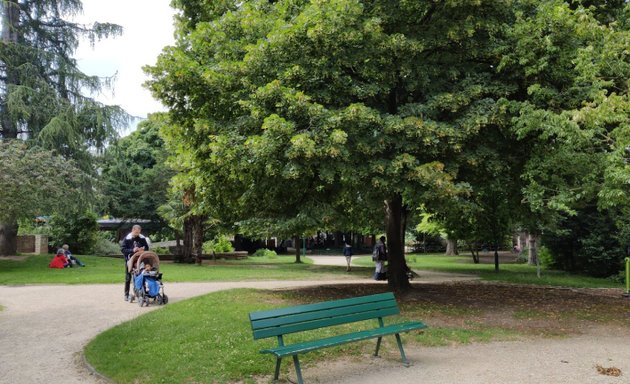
(283, 321)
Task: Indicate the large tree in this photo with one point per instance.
(321, 101)
(43, 93)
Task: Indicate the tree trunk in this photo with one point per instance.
(296, 244)
(532, 254)
(8, 238)
(198, 238)
(496, 256)
(474, 252)
(186, 255)
(396, 275)
(10, 31)
(451, 247)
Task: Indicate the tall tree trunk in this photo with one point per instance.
(451, 247)
(532, 254)
(396, 274)
(198, 238)
(186, 255)
(496, 256)
(10, 30)
(296, 244)
(8, 238)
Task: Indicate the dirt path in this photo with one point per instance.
(549, 361)
(43, 330)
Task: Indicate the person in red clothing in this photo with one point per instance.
(60, 260)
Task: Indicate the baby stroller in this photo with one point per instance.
(144, 267)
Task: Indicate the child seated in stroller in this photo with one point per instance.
(147, 282)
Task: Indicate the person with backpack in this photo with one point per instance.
(347, 252)
(379, 256)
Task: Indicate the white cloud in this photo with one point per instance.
(147, 28)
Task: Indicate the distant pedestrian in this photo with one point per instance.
(379, 256)
(347, 252)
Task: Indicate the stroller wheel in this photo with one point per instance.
(141, 300)
(164, 299)
(158, 298)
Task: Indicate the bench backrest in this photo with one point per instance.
(313, 316)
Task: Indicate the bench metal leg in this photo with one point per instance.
(277, 374)
(402, 351)
(378, 346)
(298, 371)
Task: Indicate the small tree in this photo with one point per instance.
(35, 182)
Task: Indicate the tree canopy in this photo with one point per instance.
(300, 110)
(42, 91)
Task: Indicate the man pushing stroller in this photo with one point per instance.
(132, 243)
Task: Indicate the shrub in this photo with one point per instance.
(263, 252)
(219, 244)
(78, 230)
(106, 247)
(545, 258)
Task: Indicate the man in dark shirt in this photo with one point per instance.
(132, 243)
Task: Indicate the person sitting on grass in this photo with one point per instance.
(71, 259)
(59, 261)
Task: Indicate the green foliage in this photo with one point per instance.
(220, 243)
(264, 252)
(79, 230)
(104, 247)
(43, 92)
(545, 258)
(135, 178)
(586, 242)
(36, 182)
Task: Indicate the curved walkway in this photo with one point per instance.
(43, 330)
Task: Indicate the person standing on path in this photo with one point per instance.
(347, 252)
(132, 243)
(379, 256)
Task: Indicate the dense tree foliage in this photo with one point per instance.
(35, 182)
(496, 112)
(44, 100)
(42, 91)
(134, 176)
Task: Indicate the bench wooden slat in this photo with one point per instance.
(306, 326)
(308, 346)
(322, 314)
(320, 306)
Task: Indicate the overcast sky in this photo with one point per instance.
(147, 28)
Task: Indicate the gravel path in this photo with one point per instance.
(43, 330)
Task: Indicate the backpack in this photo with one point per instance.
(376, 253)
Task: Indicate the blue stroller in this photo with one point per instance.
(147, 279)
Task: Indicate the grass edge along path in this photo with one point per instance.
(508, 272)
(33, 269)
(208, 339)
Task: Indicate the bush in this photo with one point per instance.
(263, 252)
(78, 230)
(587, 242)
(218, 244)
(545, 258)
(106, 247)
(161, 250)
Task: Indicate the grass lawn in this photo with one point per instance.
(105, 270)
(208, 339)
(508, 272)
